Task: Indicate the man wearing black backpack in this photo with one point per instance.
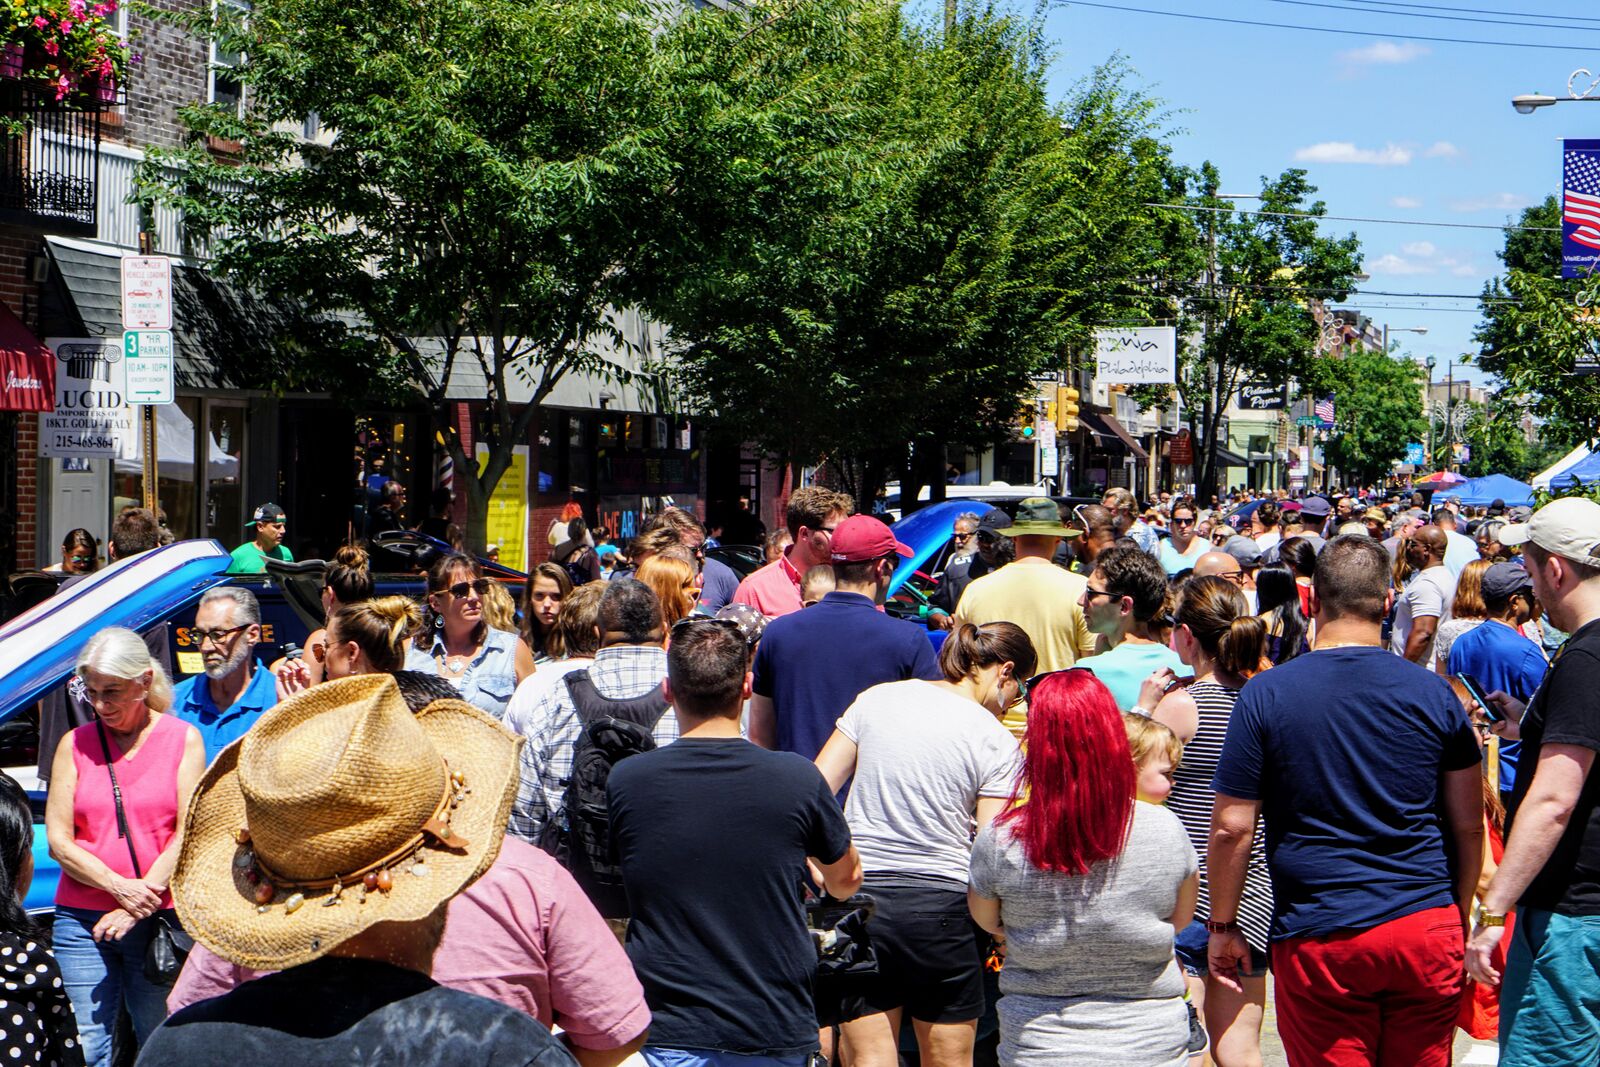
(580, 730)
(713, 834)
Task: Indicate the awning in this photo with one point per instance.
(27, 369)
(1226, 457)
(1105, 425)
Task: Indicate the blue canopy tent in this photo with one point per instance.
(1480, 492)
(1581, 473)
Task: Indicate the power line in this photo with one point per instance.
(1353, 218)
(1402, 307)
(1321, 29)
(1441, 18)
(1469, 10)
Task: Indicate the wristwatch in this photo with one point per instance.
(1491, 918)
(1221, 928)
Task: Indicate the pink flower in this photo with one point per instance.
(66, 27)
(40, 22)
(63, 87)
(106, 69)
(77, 8)
(52, 48)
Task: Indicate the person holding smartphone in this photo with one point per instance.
(1497, 656)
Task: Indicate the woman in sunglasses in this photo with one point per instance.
(459, 645)
(80, 554)
(1084, 885)
(1182, 546)
(929, 759)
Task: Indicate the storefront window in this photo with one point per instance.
(176, 487)
(225, 437)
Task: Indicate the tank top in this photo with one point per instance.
(149, 784)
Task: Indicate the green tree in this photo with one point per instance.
(490, 174)
(1498, 445)
(1377, 410)
(1248, 317)
(930, 234)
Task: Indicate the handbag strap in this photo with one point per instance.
(116, 795)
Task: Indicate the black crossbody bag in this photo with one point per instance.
(169, 945)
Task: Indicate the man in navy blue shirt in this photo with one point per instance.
(813, 663)
(1496, 654)
(1373, 811)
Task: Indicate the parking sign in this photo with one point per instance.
(147, 365)
(146, 293)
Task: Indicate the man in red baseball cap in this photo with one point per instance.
(812, 664)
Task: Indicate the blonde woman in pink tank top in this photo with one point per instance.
(112, 896)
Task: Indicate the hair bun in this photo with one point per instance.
(352, 555)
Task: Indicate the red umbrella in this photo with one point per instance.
(1440, 480)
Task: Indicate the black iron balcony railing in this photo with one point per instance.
(49, 159)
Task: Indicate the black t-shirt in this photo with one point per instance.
(713, 835)
(1565, 712)
(338, 1012)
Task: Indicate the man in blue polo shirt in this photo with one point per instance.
(812, 664)
(1496, 654)
(235, 689)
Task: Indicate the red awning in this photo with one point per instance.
(27, 368)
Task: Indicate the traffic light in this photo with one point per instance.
(1067, 409)
(1027, 426)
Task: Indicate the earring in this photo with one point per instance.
(438, 622)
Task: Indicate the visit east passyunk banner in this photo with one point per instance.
(1137, 355)
(1580, 208)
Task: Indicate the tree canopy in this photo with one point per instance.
(1377, 401)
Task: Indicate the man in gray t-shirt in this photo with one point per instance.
(1425, 603)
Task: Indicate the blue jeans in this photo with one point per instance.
(1550, 992)
(705, 1057)
(103, 976)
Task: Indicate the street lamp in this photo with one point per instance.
(1427, 405)
(1419, 330)
(1528, 103)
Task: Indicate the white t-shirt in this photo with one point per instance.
(1428, 594)
(924, 757)
(536, 686)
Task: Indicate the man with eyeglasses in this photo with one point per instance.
(234, 688)
(269, 523)
(990, 552)
(812, 516)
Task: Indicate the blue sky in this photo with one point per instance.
(1388, 128)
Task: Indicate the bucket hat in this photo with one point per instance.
(1038, 516)
(339, 810)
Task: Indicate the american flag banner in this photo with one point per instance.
(1324, 411)
(1580, 208)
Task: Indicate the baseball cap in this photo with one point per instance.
(1520, 513)
(1569, 528)
(1315, 507)
(1504, 579)
(994, 521)
(861, 538)
(267, 513)
(1244, 549)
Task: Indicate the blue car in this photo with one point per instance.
(40, 646)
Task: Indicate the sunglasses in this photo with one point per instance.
(1092, 591)
(963, 538)
(1182, 522)
(1027, 686)
(691, 622)
(479, 586)
(79, 559)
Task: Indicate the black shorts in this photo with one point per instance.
(930, 952)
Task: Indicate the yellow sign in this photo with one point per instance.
(508, 508)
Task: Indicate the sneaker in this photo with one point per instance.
(1197, 1033)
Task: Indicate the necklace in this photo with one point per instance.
(455, 664)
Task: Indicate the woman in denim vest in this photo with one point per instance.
(456, 644)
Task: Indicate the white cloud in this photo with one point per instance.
(1390, 155)
(1405, 203)
(1423, 257)
(1384, 53)
(1496, 202)
(1442, 150)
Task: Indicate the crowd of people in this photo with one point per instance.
(1135, 767)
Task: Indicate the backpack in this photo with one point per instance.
(580, 837)
(576, 568)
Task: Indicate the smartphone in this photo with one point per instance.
(1475, 690)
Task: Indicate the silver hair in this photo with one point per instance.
(246, 609)
(969, 516)
(121, 653)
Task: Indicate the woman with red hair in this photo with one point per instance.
(1085, 886)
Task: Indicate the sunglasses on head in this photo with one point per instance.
(1028, 685)
(691, 622)
(479, 586)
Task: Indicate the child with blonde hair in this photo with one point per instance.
(1156, 753)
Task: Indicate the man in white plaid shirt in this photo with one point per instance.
(631, 662)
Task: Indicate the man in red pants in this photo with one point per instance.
(1365, 771)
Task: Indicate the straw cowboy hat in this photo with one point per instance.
(341, 809)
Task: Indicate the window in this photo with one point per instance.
(226, 88)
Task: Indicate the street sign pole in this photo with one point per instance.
(146, 318)
(147, 430)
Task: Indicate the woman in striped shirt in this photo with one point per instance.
(1223, 642)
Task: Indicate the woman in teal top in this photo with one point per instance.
(1180, 548)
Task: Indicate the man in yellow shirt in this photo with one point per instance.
(1033, 592)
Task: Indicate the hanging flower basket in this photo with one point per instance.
(102, 91)
(11, 60)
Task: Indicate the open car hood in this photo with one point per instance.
(39, 648)
(926, 531)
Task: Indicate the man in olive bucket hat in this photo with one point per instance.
(326, 843)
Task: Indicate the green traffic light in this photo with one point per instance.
(1027, 431)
